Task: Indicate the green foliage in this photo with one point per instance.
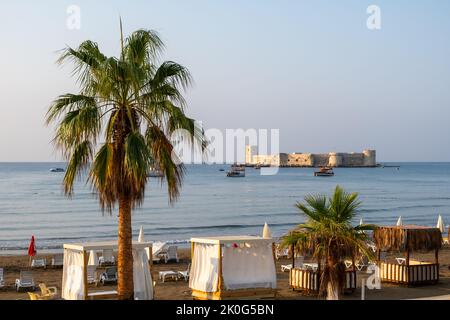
(328, 232)
(134, 104)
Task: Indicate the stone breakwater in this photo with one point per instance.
(367, 158)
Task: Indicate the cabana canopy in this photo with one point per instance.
(74, 282)
(222, 266)
(407, 238)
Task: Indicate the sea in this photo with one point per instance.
(32, 202)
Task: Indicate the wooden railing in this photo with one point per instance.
(309, 280)
(419, 274)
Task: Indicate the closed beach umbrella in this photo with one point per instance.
(92, 259)
(141, 235)
(32, 248)
(440, 224)
(399, 221)
(266, 232)
(361, 222)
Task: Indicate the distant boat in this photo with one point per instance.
(324, 172)
(155, 173)
(221, 169)
(236, 171)
(57, 170)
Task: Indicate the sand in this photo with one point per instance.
(179, 290)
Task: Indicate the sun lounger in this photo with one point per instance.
(168, 274)
(298, 263)
(281, 252)
(39, 263)
(57, 261)
(48, 293)
(109, 276)
(185, 274)
(91, 274)
(2, 278)
(171, 254)
(400, 260)
(107, 258)
(25, 281)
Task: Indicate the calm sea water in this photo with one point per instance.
(32, 202)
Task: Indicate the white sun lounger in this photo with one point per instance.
(91, 274)
(185, 274)
(2, 278)
(171, 254)
(298, 263)
(39, 263)
(106, 258)
(25, 281)
(57, 260)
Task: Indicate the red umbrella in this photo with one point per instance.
(32, 248)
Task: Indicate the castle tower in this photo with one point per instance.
(334, 160)
(370, 158)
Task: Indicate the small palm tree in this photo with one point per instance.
(328, 233)
(135, 104)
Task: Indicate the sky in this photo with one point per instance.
(311, 69)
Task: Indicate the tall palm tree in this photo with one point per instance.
(135, 104)
(329, 233)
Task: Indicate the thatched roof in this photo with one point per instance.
(402, 238)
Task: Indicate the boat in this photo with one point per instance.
(155, 173)
(221, 169)
(324, 172)
(236, 171)
(57, 170)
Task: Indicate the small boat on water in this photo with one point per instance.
(221, 169)
(324, 172)
(236, 171)
(57, 170)
(155, 173)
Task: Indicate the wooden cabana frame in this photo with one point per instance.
(222, 293)
(408, 239)
(85, 248)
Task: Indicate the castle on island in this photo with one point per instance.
(333, 159)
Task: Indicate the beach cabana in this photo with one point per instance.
(307, 277)
(232, 267)
(75, 276)
(408, 239)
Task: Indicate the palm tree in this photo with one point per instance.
(136, 105)
(328, 233)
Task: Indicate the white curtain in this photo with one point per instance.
(142, 278)
(252, 266)
(73, 281)
(204, 274)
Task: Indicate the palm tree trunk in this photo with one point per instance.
(333, 286)
(125, 286)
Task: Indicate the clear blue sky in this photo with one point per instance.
(309, 68)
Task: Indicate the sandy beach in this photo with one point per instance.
(179, 290)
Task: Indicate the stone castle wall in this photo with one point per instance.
(365, 159)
